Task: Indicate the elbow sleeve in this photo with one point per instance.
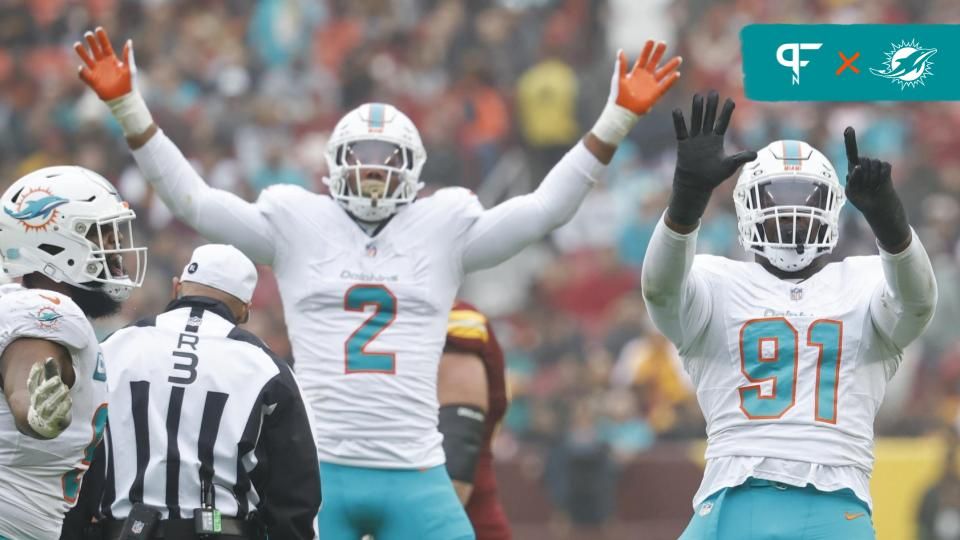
(462, 427)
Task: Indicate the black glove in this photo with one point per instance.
(701, 163)
(870, 189)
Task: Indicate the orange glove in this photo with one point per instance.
(102, 70)
(634, 93)
(113, 80)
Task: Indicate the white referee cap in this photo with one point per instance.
(224, 268)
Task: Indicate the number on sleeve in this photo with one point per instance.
(769, 359)
(358, 358)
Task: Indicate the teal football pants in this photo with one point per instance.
(390, 504)
(764, 510)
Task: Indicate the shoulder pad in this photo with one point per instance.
(43, 314)
(467, 324)
(283, 192)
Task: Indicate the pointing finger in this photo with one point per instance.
(850, 140)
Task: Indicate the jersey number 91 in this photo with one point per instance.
(769, 352)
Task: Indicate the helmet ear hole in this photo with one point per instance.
(51, 249)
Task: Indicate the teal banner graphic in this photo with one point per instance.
(857, 62)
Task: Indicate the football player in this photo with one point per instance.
(790, 354)
(473, 399)
(368, 274)
(67, 234)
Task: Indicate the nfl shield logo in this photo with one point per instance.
(371, 250)
(796, 293)
(705, 508)
(137, 527)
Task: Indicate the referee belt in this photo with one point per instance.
(184, 529)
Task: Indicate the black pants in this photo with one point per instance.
(176, 529)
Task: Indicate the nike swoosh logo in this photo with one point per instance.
(54, 300)
(850, 516)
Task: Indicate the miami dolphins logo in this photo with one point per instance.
(47, 317)
(907, 64)
(36, 209)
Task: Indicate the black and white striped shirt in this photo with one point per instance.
(195, 398)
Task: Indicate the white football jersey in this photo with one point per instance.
(40, 479)
(367, 317)
(788, 374)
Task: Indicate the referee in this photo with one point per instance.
(208, 433)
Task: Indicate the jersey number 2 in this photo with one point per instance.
(769, 351)
(358, 358)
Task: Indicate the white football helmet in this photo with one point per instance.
(383, 143)
(788, 204)
(55, 221)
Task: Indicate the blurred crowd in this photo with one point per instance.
(250, 89)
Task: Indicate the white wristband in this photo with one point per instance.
(614, 124)
(132, 113)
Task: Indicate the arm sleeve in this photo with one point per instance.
(902, 307)
(218, 215)
(501, 232)
(289, 487)
(678, 299)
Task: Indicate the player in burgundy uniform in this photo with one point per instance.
(473, 399)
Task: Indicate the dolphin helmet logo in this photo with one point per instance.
(36, 209)
(907, 64)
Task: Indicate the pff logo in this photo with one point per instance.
(794, 62)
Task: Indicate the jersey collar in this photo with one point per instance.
(208, 304)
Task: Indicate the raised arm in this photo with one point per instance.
(218, 215)
(678, 301)
(902, 308)
(504, 230)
